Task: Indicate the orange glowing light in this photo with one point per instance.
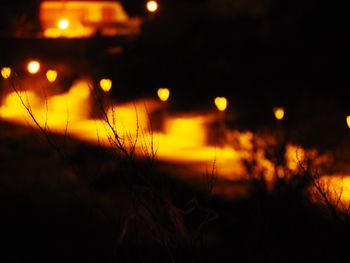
(163, 94)
(186, 131)
(152, 6)
(279, 113)
(106, 84)
(294, 157)
(84, 18)
(13, 107)
(51, 75)
(63, 24)
(6, 72)
(221, 103)
(337, 189)
(348, 120)
(33, 67)
(80, 89)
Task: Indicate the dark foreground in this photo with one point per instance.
(48, 215)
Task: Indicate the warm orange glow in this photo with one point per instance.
(33, 67)
(185, 138)
(188, 131)
(6, 72)
(163, 94)
(12, 105)
(279, 113)
(106, 84)
(152, 6)
(295, 157)
(348, 121)
(63, 24)
(221, 103)
(127, 119)
(73, 105)
(51, 75)
(80, 89)
(336, 188)
(84, 18)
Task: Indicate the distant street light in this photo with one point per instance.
(221, 103)
(6, 72)
(279, 113)
(51, 75)
(163, 94)
(348, 120)
(106, 84)
(63, 24)
(33, 67)
(152, 6)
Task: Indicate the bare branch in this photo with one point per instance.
(28, 108)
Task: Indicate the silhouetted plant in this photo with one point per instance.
(147, 215)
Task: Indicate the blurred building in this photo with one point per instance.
(81, 19)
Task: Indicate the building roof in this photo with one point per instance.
(80, 1)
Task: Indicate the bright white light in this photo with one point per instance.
(33, 67)
(63, 24)
(152, 6)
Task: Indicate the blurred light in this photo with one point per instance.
(152, 6)
(279, 113)
(106, 84)
(348, 121)
(33, 67)
(294, 156)
(336, 189)
(80, 89)
(6, 72)
(14, 107)
(63, 24)
(163, 94)
(185, 131)
(51, 75)
(221, 103)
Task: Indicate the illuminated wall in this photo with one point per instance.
(85, 19)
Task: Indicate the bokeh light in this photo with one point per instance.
(33, 67)
(279, 113)
(63, 24)
(163, 94)
(106, 84)
(6, 72)
(152, 6)
(51, 75)
(221, 103)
